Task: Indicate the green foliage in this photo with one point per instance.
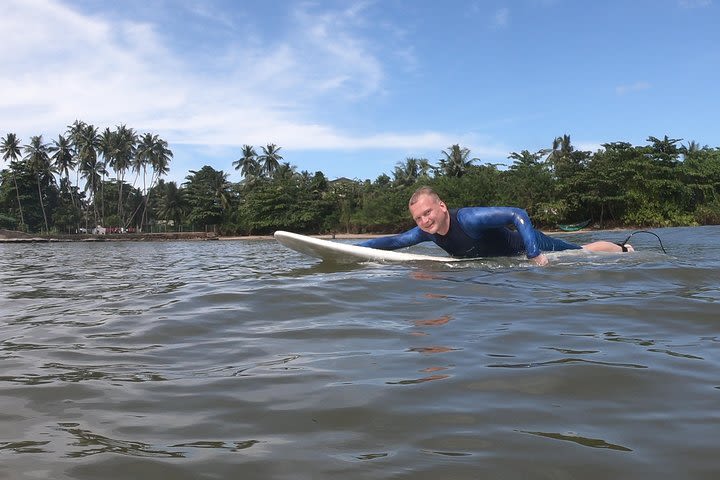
(479, 186)
(8, 222)
(662, 183)
(66, 218)
(290, 201)
(172, 203)
(653, 214)
(19, 186)
(208, 194)
(708, 214)
(455, 161)
(549, 213)
(383, 210)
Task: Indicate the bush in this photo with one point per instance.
(654, 215)
(8, 222)
(708, 214)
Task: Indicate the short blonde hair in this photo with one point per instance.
(423, 191)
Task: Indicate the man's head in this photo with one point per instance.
(429, 212)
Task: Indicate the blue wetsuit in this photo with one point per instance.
(481, 232)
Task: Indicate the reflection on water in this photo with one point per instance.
(562, 361)
(586, 442)
(433, 322)
(89, 443)
(244, 359)
(27, 446)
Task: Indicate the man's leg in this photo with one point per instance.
(603, 246)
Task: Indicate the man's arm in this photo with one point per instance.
(393, 242)
(476, 219)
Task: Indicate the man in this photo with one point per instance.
(479, 232)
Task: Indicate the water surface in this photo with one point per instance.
(242, 359)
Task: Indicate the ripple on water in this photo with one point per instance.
(205, 359)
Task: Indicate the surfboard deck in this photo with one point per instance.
(327, 250)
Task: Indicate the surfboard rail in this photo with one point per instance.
(328, 250)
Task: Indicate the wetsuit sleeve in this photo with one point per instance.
(393, 242)
(475, 219)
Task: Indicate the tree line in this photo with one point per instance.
(37, 193)
(662, 183)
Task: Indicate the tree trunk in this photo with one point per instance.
(121, 179)
(42, 206)
(17, 194)
(102, 197)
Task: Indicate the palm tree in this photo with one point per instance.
(173, 204)
(664, 146)
(525, 159)
(564, 159)
(219, 186)
(425, 167)
(284, 172)
(36, 154)
(107, 149)
(87, 144)
(125, 141)
(407, 172)
(75, 131)
(455, 162)
(162, 155)
(411, 171)
(10, 150)
(63, 160)
(139, 164)
(74, 134)
(562, 146)
(153, 151)
(248, 164)
(143, 155)
(270, 158)
(691, 150)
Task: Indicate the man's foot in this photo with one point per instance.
(626, 247)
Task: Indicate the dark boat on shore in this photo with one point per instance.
(574, 227)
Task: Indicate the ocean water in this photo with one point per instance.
(242, 359)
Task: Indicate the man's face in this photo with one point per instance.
(431, 215)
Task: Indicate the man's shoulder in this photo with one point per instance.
(483, 217)
(470, 211)
(492, 210)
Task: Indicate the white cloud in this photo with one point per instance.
(633, 87)
(107, 71)
(72, 66)
(68, 66)
(329, 37)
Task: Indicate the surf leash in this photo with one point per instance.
(622, 244)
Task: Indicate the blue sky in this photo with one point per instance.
(351, 88)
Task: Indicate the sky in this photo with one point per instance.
(354, 87)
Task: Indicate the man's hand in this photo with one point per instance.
(540, 260)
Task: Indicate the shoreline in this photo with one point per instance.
(12, 236)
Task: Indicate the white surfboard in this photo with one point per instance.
(346, 253)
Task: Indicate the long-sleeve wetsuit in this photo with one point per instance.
(481, 232)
